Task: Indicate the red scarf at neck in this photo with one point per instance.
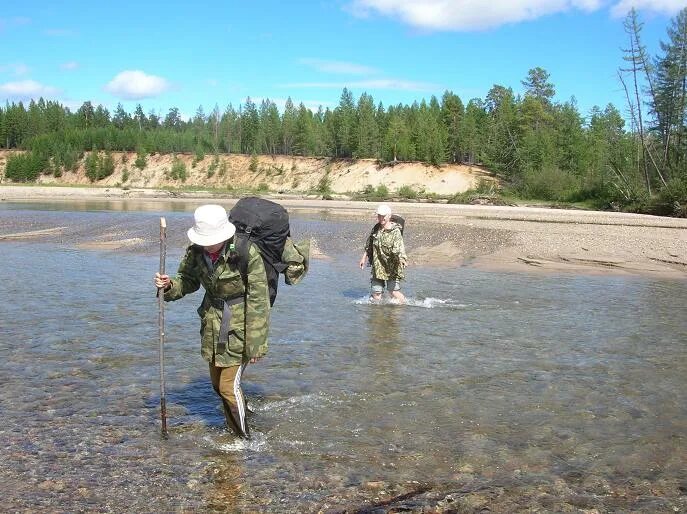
(214, 255)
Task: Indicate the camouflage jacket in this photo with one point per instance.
(388, 253)
(249, 320)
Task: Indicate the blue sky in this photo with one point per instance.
(165, 54)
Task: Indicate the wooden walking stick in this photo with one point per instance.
(161, 326)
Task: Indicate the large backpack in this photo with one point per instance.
(265, 224)
(396, 219)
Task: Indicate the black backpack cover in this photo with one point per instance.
(265, 224)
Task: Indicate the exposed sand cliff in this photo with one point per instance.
(288, 174)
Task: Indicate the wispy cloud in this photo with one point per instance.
(69, 66)
(20, 20)
(667, 7)
(13, 22)
(60, 32)
(17, 69)
(469, 15)
(136, 85)
(25, 90)
(385, 84)
(339, 67)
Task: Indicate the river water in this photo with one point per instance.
(498, 391)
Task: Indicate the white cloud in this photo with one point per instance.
(26, 90)
(340, 67)
(466, 15)
(15, 68)
(69, 65)
(136, 85)
(667, 7)
(59, 32)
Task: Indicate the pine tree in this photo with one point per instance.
(250, 124)
(670, 105)
(288, 126)
(452, 112)
(367, 130)
(140, 117)
(345, 115)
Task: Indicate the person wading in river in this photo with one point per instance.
(385, 251)
(234, 317)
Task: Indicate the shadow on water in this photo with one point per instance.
(192, 402)
(355, 293)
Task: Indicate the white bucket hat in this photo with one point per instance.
(211, 227)
(383, 209)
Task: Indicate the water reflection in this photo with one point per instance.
(114, 205)
(383, 325)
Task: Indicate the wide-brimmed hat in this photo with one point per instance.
(211, 227)
(383, 209)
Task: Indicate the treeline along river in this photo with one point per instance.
(507, 391)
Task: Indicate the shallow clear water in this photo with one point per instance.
(513, 391)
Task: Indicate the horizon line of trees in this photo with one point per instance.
(541, 148)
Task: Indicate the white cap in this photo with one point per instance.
(211, 227)
(383, 209)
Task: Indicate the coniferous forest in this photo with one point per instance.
(632, 157)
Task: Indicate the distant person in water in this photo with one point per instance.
(385, 253)
(234, 314)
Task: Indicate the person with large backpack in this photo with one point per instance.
(385, 253)
(235, 310)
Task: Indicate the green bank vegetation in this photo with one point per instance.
(539, 149)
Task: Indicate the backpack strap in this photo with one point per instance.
(374, 230)
(242, 247)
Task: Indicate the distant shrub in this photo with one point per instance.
(199, 155)
(372, 194)
(407, 192)
(253, 166)
(92, 167)
(24, 167)
(63, 156)
(671, 200)
(548, 184)
(263, 187)
(107, 165)
(141, 162)
(485, 192)
(324, 185)
(99, 166)
(178, 171)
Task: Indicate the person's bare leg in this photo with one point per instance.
(376, 297)
(398, 296)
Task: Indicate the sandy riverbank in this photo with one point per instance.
(496, 238)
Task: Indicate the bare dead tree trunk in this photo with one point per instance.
(645, 150)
